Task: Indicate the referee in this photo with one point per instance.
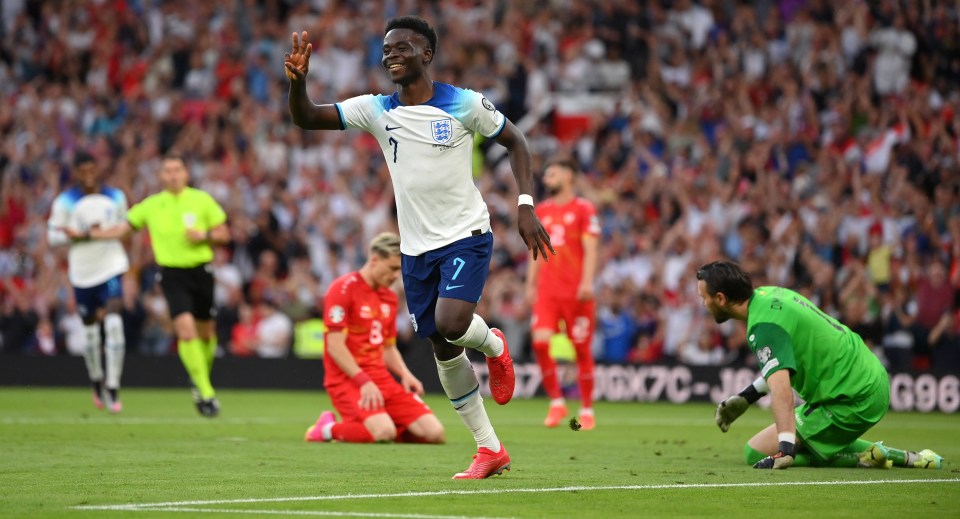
(184, 224)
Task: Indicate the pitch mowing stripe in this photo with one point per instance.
(435, 493)
(307, 512)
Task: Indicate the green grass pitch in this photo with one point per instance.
(62, 458)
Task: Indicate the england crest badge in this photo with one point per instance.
(442, 130)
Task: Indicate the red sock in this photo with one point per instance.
(351, 432)
(585, 374)
(548, 369)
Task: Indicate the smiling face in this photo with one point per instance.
(406, 55)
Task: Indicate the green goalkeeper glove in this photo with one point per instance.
(729, 410)
(780, 460)
(734, 406)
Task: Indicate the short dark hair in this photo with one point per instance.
(727, 277)
(173, 156)
(417, 25)
(565, 163)
(82, 157)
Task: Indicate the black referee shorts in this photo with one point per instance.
(189, 290)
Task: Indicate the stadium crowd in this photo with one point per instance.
(816, 143)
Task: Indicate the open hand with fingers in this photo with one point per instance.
(411, 384)
(729, 410)
(371, 398)
(533, 233)
(297, 61)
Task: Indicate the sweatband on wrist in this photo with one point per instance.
(750, 394)
(755, 391)
(524, 200)
(788, 448)
(360, 378)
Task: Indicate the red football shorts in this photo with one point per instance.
(579, 317)
(403, 408)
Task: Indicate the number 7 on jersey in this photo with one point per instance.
(394, 142)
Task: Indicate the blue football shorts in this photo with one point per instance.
(455, 271)
(91, 299)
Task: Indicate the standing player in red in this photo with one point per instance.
(563, 288)
(361, 353)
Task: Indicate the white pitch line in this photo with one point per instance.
(341, 497)
(308, 512)
(274, 421)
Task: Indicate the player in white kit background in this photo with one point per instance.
(95, 270)
(426, 132)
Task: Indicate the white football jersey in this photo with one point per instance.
(96, 261)
(429, 152)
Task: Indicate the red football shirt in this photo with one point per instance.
(567, 224)
(369, 318)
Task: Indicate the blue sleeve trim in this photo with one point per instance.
(72, 196)
(115, 194)
(389, 102)
(496, 134)
(343, 123)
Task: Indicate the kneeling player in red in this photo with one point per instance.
(361, 358)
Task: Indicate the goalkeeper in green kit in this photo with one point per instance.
(845, 389)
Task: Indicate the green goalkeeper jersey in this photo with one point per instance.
(827, 361)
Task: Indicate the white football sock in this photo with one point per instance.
(557, 402)
(479, 337)
(91, 355)
(462, 388)
(326, 432)
(115, 349)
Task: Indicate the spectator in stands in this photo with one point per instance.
(616, 326)
(18, 323)
(895, 46)
(897, 315)
(935, 298)
(274, 331)
(945, 343)
(649, 337)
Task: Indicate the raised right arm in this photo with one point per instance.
(305, 113)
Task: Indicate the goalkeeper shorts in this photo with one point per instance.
(827, 429)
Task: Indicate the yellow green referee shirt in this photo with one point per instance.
(168, 216)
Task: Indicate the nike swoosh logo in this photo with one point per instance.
(452, 287)
(389, 129)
